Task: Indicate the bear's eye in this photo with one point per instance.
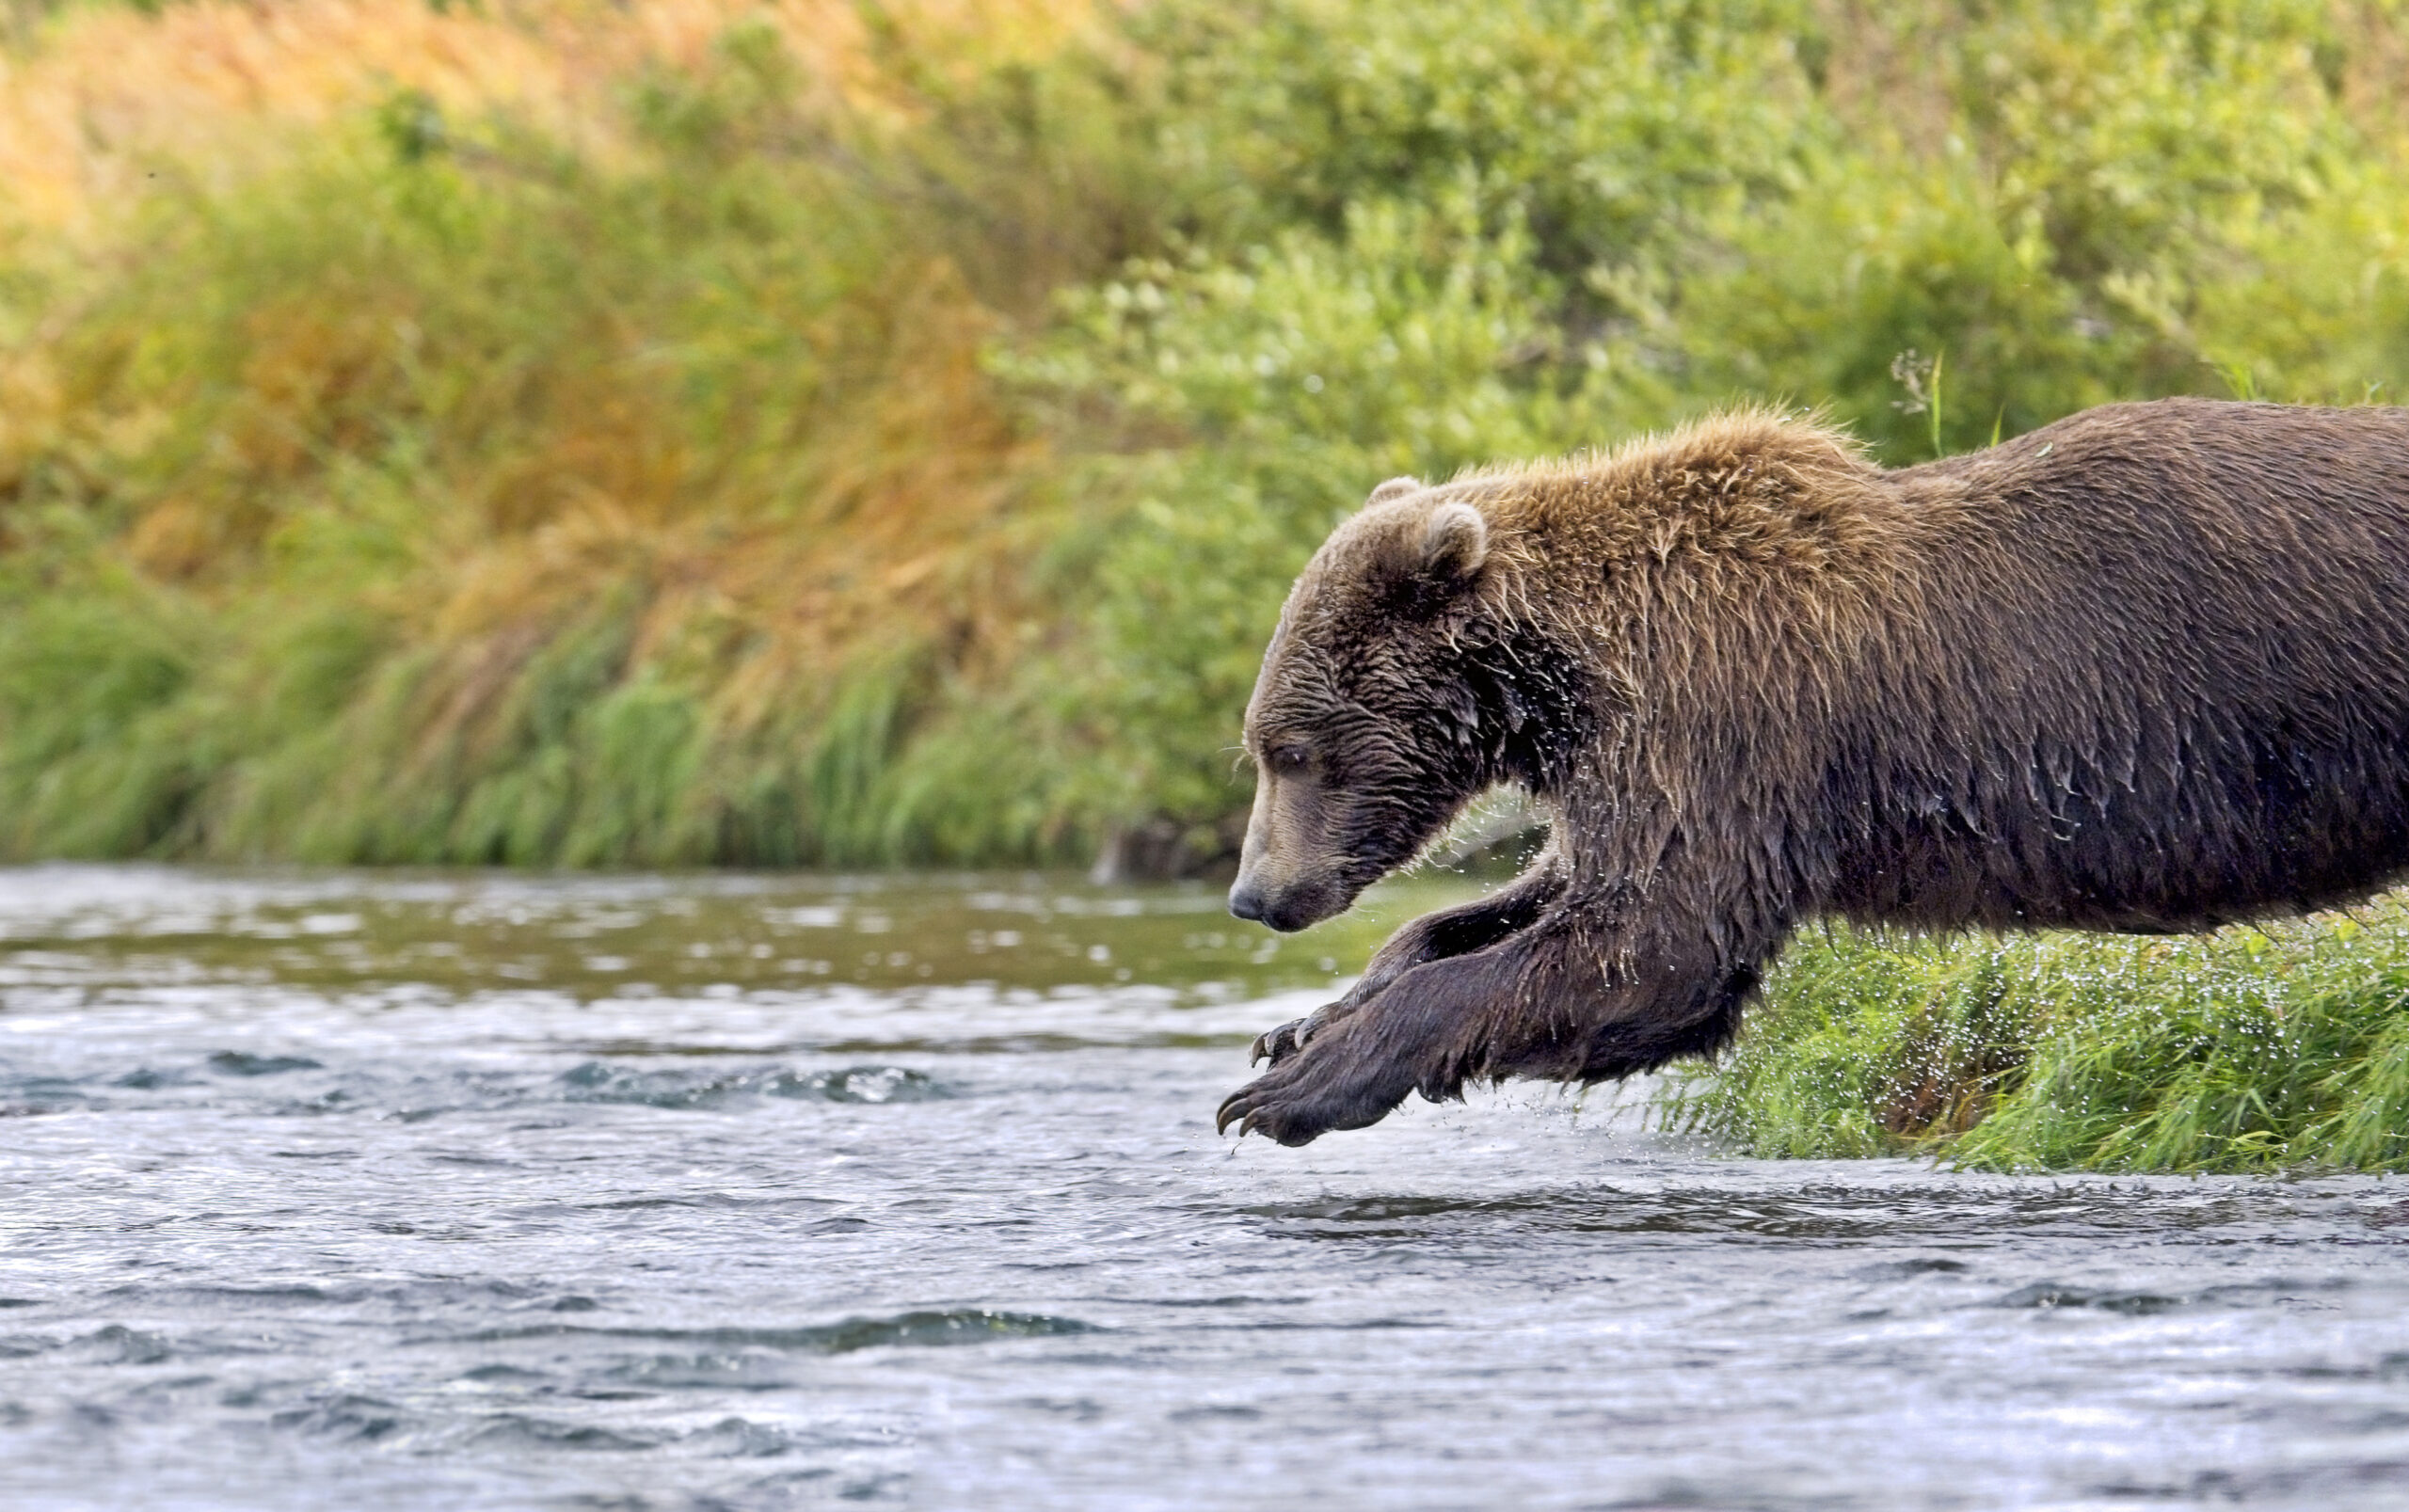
(1288, 758)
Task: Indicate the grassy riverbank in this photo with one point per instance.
(2245, 1050)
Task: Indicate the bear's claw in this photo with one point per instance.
(1258, 1109)
(1277, 1046)
(1303, 1098)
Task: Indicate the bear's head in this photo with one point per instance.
(1373, 720)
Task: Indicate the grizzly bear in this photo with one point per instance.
(2145, 669)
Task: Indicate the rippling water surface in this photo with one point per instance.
(344, 1190)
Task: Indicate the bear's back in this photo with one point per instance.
(2164, 655)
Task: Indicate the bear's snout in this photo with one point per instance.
(1287, 908)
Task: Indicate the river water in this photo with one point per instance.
(389, 1190)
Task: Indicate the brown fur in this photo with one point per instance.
(2146, 669)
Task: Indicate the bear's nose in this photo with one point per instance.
(1246, 900)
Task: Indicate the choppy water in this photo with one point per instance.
(369, 1191)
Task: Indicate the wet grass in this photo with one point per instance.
(2246, 1050)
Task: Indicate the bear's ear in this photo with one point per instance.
(1395, 489)
(1455, 541)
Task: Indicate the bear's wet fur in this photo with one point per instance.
(2145, 669)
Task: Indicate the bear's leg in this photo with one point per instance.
(1540, 1003)
(1427, 1032)
(1450, 931)
(1356, 1069)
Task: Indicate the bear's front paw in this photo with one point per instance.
(1276, 1045)
(1305, 1096)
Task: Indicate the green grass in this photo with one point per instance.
(2246, 1050)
